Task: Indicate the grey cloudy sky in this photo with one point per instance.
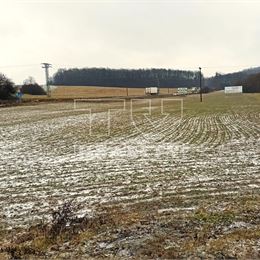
(219, 35)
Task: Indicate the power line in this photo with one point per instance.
(200, 85)
(176, 67)
(231, 66)
(19, 66)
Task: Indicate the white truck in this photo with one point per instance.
(152, 91)
(182, 91)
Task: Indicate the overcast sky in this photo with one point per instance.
(219, 35)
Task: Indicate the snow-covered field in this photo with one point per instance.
(49, 154)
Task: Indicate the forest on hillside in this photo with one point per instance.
(219, 81)
(165, 78)
(126, 77)
(252, 84)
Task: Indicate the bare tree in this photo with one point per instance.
(29, 81)
(7, 89)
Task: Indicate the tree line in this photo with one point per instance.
(126, 77)
(252, 84)
(244, 77)
(249, 79)
(8, 90)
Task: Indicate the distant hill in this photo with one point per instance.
(252, 84)
(252, 71)
(219, 81)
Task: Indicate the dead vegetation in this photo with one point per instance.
(64, 226)
(70, 92)
(90, 91)
(125, 232)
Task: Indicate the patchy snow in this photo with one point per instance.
(48, 155)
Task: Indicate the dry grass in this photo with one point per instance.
(93, 92)
(89, 91)
(206, 233)
(39, 240)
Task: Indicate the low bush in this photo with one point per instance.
(7, 89)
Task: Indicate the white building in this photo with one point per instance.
(233, 89)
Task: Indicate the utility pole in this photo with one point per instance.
(46, 66)
(200, 85)
(158, 83)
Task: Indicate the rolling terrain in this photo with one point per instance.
(181, 183)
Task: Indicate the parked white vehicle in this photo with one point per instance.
(182, 91)
(152, 91)
(194, 90)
